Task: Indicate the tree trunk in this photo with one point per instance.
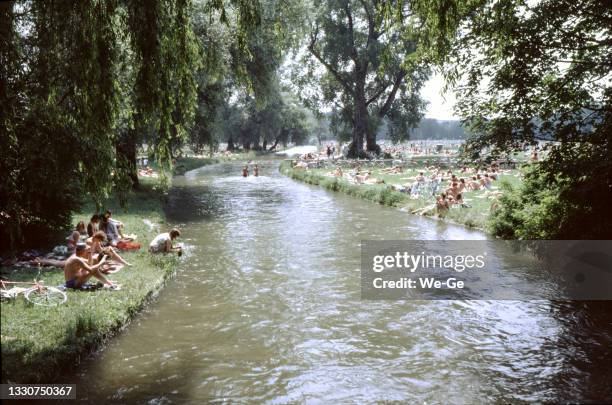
(265, 144)
(230, 144)
(371, 145)
(360, 121)
(275, 143)
(125, 147)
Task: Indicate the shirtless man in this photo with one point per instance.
(453, 190)
(462, 185)
(473, 184)
(363, 178)
(256, 171)
(77, 271)
(442, 204)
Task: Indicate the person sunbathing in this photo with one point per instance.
(486, 181)
(112, 234)
(77, 270)
(393, 170)
(146, 172)
(301, 165)
(120, 227)
(460, 202)
(442, 204)
(473, 184)
(361, 178)
(338, 172)
(97, 249)
(453, 190)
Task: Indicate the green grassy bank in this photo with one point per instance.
(474, 217)
(40, 343)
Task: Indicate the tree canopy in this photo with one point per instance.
(527, 71)
(363, 64)
(82, 84)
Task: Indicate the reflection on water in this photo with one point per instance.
(266, 307)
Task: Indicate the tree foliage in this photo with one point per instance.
(370, 67)
(528, 71)
(83, 84)
(240, 96)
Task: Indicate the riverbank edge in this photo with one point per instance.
(81, 339)
(380, 194)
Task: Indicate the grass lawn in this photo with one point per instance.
(39, 343)
(476, 216)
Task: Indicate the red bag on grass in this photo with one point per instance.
(128, 246)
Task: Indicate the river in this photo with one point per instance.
(265, 307)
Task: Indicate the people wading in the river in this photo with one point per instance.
(256, 171)
(245, 171)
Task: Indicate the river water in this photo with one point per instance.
(265, 307)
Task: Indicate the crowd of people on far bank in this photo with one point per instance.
(96, 249)
(447, 187)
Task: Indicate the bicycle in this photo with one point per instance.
(38, 294)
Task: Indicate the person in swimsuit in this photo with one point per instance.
(245, 171)
(77, 270)
(96, 248)
(256, 171)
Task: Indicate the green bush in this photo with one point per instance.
(552, 208)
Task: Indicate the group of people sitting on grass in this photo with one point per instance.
(93, 251)
(97, 258)
(446, 187)
(400, 151)
(356, 176)
(456, 186)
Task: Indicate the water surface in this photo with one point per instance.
(266, 307)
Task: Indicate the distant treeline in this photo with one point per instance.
(430, 128)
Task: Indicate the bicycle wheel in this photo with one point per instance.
(46, 296)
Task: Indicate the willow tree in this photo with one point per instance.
(76, 94)
(370, 67)
(59, 107)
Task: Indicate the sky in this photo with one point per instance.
(440, 105)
